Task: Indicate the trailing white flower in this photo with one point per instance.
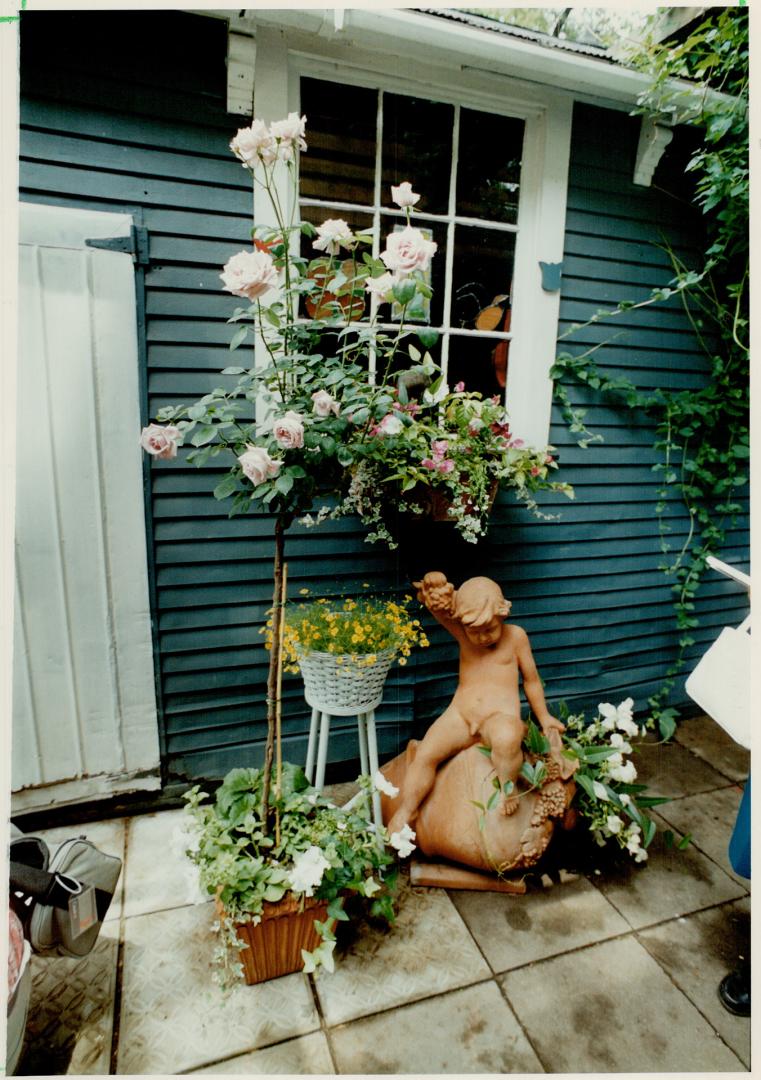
(600, 791)
(308, 869)
(625, 773)
(384, 786)
(614, 824)
(618, 716)
(403, 841)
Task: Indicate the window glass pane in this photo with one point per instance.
(340, 161)
(417, 146)
(489, 166)
(481, 287)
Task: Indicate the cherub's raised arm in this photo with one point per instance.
(439, 597)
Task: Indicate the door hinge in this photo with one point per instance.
(137, 244)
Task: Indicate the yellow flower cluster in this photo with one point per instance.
(356, 628)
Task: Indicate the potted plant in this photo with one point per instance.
(344, 647)
(279, 892)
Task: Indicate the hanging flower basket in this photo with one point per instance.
(344, 684)
(273, 946)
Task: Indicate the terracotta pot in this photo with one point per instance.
(437, 505)
(323, 307)
(274, 945)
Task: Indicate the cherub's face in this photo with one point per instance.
(487, 633)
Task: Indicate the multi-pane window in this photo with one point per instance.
(466, 164)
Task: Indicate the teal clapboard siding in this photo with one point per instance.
(143, 128)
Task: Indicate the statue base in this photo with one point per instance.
(445, 876)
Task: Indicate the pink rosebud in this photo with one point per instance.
(427, 463)
(334, 234)
(289, 431)
(439, 447)
(535, 470)
(459, 387)
(445, 466)
(403, 195)
(257, 464)
(323, 404)
(389, 425)
(160, 441)
(517, 443)
(549, 459)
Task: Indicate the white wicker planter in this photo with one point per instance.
(346, 688)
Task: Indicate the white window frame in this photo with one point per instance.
(540, 225)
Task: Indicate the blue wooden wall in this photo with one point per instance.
(143, 128)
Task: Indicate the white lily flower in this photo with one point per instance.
(384, 786)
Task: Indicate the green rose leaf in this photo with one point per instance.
(238, 337)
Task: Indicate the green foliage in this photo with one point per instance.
(702, 434)
(242, 863)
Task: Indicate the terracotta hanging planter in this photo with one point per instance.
(273, 946)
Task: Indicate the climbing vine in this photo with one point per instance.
(701, 435)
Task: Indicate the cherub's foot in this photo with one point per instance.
(509, 805)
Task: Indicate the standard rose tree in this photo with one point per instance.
(486, 706)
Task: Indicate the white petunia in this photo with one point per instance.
(620, 743)
(383, 785)
(308, 869)
(625, 773)
(402, 841)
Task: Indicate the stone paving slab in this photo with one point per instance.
(670, 884)
(71, 1012)
(612, 1008)
(709, 818)
(697, 952)
(427, 951)
(704, 737)
(108, 836)
(516, 930)
(158, 875)
(174, 1018)
(308, 1055)
(468, 1031)
(672, 770)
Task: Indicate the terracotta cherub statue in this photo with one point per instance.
(486, 706)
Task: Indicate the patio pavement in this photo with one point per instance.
(614, 969)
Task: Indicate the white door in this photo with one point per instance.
(84, 710)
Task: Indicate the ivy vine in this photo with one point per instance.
(701, 435)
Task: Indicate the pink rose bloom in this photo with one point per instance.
(253, 143)
(249, 274)
(408, 250)
(289, 134)
(403, 195)
(161, 441)
(535, 470)
(517, 443)
(427, 463)
(289, 431)
(439, 447)
(381, 287)
(459, 387)
(445, 466)
(323, 404)
(389, 425)
(257, 465)
(333, 235)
